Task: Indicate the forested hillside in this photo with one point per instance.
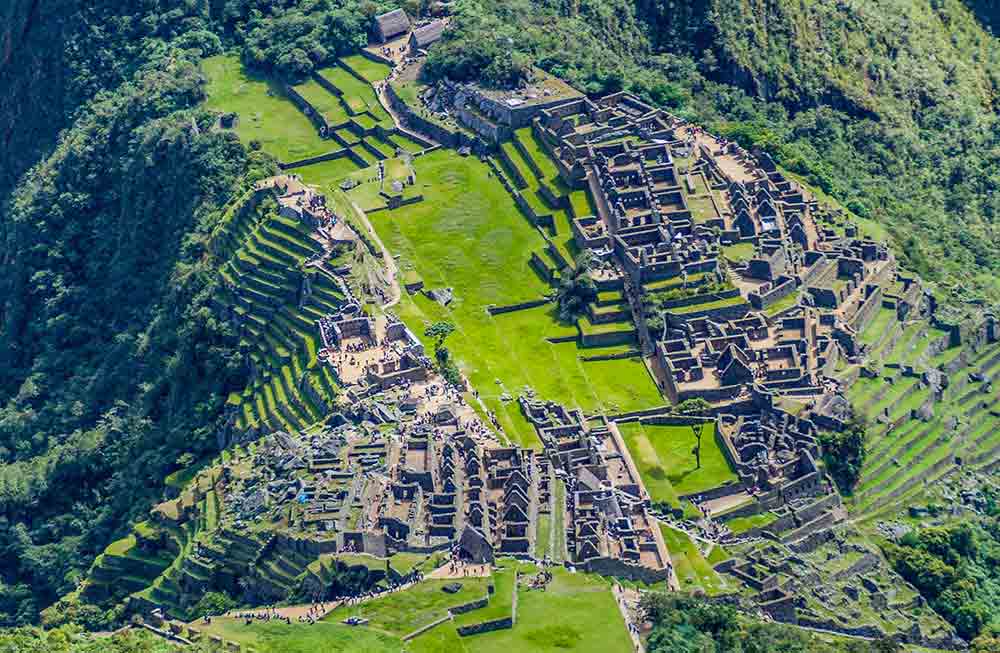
(113, 369)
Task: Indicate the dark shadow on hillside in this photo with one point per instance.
(988, 13)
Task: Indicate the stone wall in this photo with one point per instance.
(617, 568)
(772, 296)
(448, 137)
(510, 308)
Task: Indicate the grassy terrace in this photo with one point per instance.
(692, 569)
(718, 303)
(371, 70)
(900, 461)
(561, 234)
(663, 285)
(265, 113)
(876, 328)
(667, 464)
(278, 637)
(401, 613)
(784, 303)
(469, 235)
(326, 173)
(738, 252)
(326, 103)
(264, 254)
(358, 95)
(575, 614)
(743, 524)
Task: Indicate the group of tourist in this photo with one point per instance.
(315, 613)
(356, 598)
(270, 613)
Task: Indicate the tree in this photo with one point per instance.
(844, 453)
(695, 406)
(576, 288)
(446, 365)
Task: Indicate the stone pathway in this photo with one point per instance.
(627, 601)
(445, 572)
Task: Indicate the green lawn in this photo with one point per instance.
(265, 114)
(789, 300)
(358, 95)
(278, 637)
(743, 524)
(576, 613)
(323, 101)
(738, 252)
(366, 193)
(370, 70)
(327, 173)
(693, 571)
(403, 612)
(709, 305)
(666, 462)
(469, 235)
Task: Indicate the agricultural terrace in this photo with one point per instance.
(401, 613)
(368, 69)
(905, 452)
(469, 235)
(265, 113)
(666, 462)
(693, 570)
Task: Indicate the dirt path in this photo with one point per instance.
(445, 571)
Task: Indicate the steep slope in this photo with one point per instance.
(113, 364)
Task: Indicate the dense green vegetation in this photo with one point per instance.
(68, 639)
(687, 625)
(957, 569)
(844, 454)
(113, 364)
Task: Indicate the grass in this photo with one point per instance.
(543, 531)
(738, 252)
(370, 70)
(182, 477)
(265, 113)
(576, 613)
(323, 101)
(667, 465)
(876, 328)
(326, 173)
(789, 300)
(469, 235)
(692, 569)
(366, 193)
(742, 524)
(708, 306)
(559, 521)
(403, 612)
(358, 95)
(278, 637)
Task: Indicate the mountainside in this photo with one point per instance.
(114, 370)
(890, 107)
